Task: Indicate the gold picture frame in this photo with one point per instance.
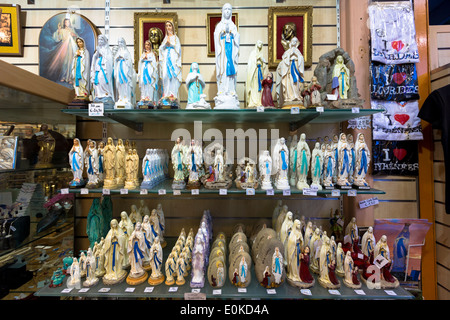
(211, 20)
(11, 40)
(143, 22)
(298, 16)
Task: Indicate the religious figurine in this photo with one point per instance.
(127, 227)
(304, 159)
(281, 164)
(156, 260)
(135, 215)
(99, 256)
(146, 231)
(162, 224)
(289, 84)
(198, 263)
(102, 67)
(255, 70)
(286, 229)
(101, 162)
(114, 250)
(196, 84)
(147, 181)
(293, 153)
(267, 97)
(46, 143)
(109, 153)
(265, 170)
(180, 271)
(246, 174)
(351, 170)
(155, 36)
(344, 161)
(226, 43)
(193, 162)
(328, 168)
(76, 160)
(130, 171)
(91, 278)
(340, 259)
(143, 209)
(155, 227)
(289, 31)
(315, 245)
(91, 162)
(148, 77)
(293, 253)
(74, 280)
(362, 161)
(327, 265)
(316, 166)
(306, 278)
(388, 281)
(336, 224)
(134, 177)
(334, 148)
(277, 265)
(170, 269)
(136, 248)
(351, 272)
(170, 61)
(120, 164)
(81, 67)
(124, 77)
(341, 76)
(178, 155)
(368, 242)
(314, 92)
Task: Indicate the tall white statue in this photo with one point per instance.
(226, 42)
(91, 162)
(170, 61)
(177, 156)
(281, 164)
(136, 248)
(102, 66)
(76, 160)
(124, 77)
(293, 251)
(81, 68)
(265, 170)
(316, 166)
(303, 163)
(344, 160)
(255, 75)
(114, 249)
(91, 278)
(195, 85)
(293, 161)
(362, 162)
(148, 77)
(156, 260)
(289, 83)
(329, 167)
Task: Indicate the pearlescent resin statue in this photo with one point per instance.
(114, 249)
(136, 249)
(304, 158)
(281, 164)
(344, 160)
(195, 85)
(179, 168)
(74, 281)
(148, 77)
(226, 43)
(102, 67)
(127, 227)
(124, 77)
(255, 76)
(193, 161)
(170, 269)
(265, 170)
(156, 261)
(76, 160)
(316, 167)
(81, 67)
(362, 162)
(109, 153)
(293, 161)
(351, 272)
(327, 265)
(91, 278)
(91, 163)
(120, 164)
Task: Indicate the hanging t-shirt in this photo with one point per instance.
(393, 33)
(436, 110)
(397, 122)
(400, 158)
(394, 82)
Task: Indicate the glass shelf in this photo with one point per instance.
(228, 291)
(166, 187)
(139, 116)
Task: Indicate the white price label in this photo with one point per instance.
(352, 193)
(250, 191)
(104, 290)
(360, 292)
(320, 109)
(96, 109)
(335, 292)
(360, 256)
(306, 292)
(286, 192)
(84, 191)
(196, 290)
(149, 289)
(176, 192)
(340, 222)
(106, 191)
(380, 261)
(173, 289)
(162, 192)
(295, 110)
(144, 191)
(217, 291)
(129, 289)
(390, 292)
(123, 191)
(65, 191)
(270, 192)
(309, 192)
(223, 192)
(66, 290)
(355, 110)
(259, 109)
(195, 192)
(335, 193)
(242, 290)
(368, 203)
(83, 290)
(271, 291)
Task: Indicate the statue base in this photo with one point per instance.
(344, 186)
(199, 105)
(180, 282)
(147, 266)
(302, 185)
(226, 101)
(266, 185)
(168, 102)
(316, 186)
(117, 280)
(79, 103)
(130, 185)
(193, 185)
(120, 182)
(245, 185)
(90, 283)
(100, 274)
(178, 185)
(351, 284)
(123, 105)
(169, 282)
(329, 285)
(108, 102)
(292, 104)
(300, 284)
(329, 187)
(156, 281)
(200, 284)
(216, 185)
(132, 281)
(109, 184)
(77, 183)
(282, 185)
(92, 185)
(144, 104)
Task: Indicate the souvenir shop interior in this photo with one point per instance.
(257, 149)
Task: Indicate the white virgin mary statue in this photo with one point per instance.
(124, 77)
(196, 84)
(226, 43)
(102, 66)
(81, 67)
(255, 76)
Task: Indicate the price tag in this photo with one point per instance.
(173, 289)
(331, 97)
(129, 289)
(96, 109)
(66, 290)
(340, 222)
(123, 191)
(335, 292)
(65, 191)
(104, 290)
(242, 290)
(217, 291)
(295, 110)
(195, 192)
(176, 192)
(368, 202)
(390, 292)
(352, 193)
(195, 290)
(360, 256)
(271, 291)
(83, 290)
(380, 261)
(250, 191)
(286, 192)
(270, 192)
(149, 289)
(335, 193)
(223, 192)
(162, 192)
(306, 292)
(144, 191)
(84, 191)
(309, 192)
(106, 191)
(320, 109)
(360, 292)
(355, 110)
(259, 109)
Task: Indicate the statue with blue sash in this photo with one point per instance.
(341, 79)
(281, 164)
(148, 77)
(193, 162)
(124, 77)
(196, 84)
(256, 70)
(344, 161)
(329, 167)
(76, 161)
(362, 162)
(304, 158)
(81, 67)
(265, 170)
(136, 249)
(177, 157)
(316, 166)
(91, 163)
(156, 260)
(114, 250)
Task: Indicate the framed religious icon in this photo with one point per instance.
(58, 45)
(11, 40)
(212, 19)
(286, 23)
(151, 26)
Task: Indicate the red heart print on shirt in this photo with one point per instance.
(401, 117)
(399, 153)
(398, 45)
(399, 77)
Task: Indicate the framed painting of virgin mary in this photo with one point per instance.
(58, 45)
